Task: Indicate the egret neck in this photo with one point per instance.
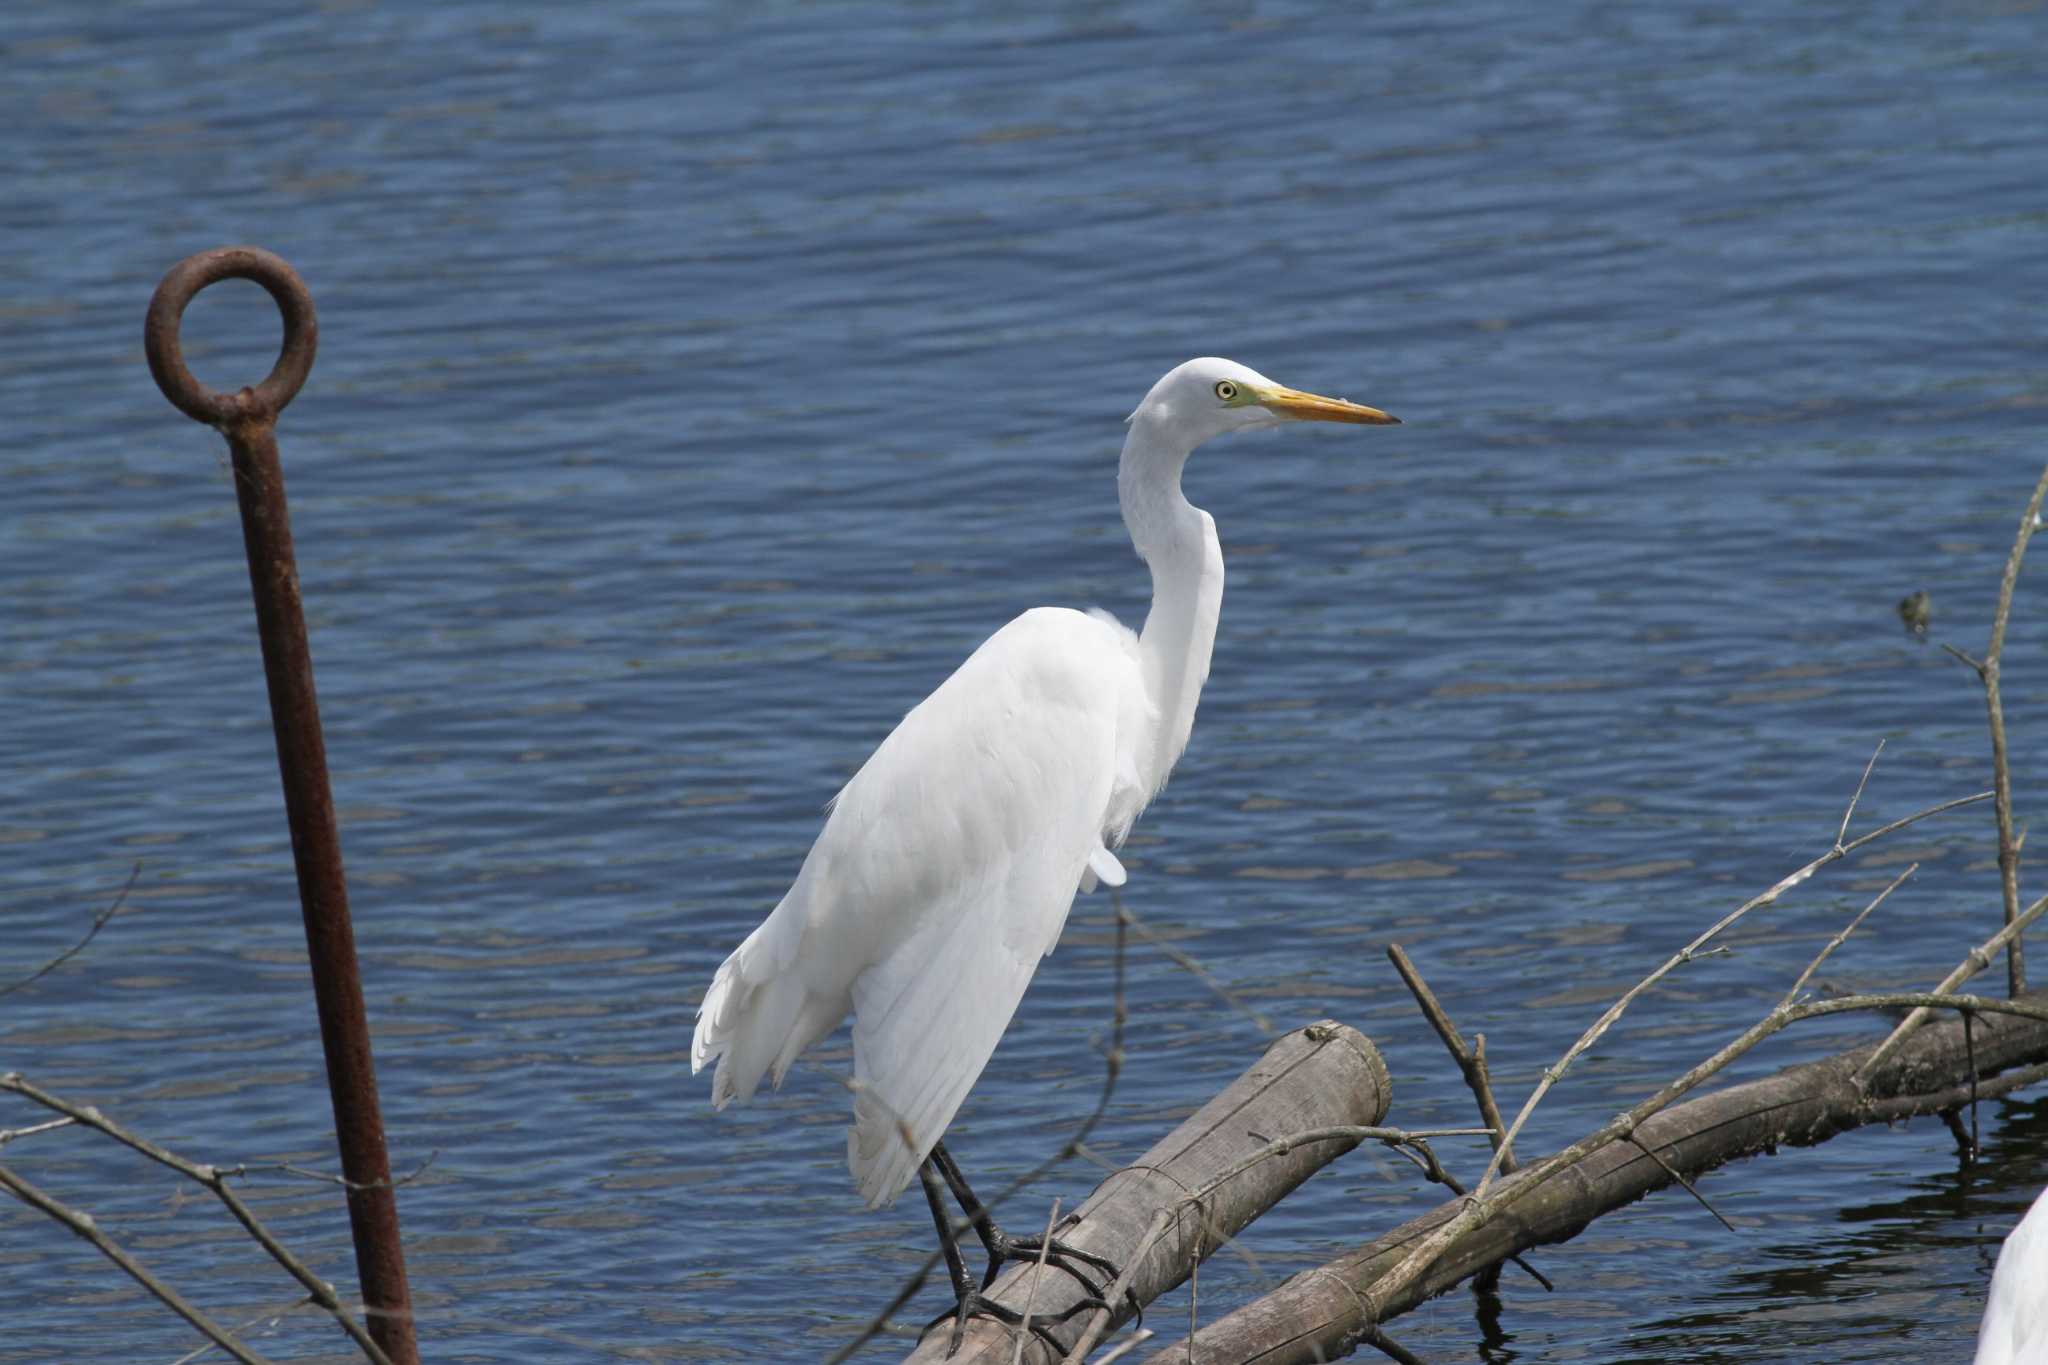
(1177, 541)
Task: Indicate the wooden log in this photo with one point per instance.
(1318, 1315)
(1325, 1075)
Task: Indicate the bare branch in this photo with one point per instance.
(1202, 974)
(1839, 939)
(1850, 814)
(1974, 962)
(1319, 1311)
(1480, 1207)
(1974, 666)
(1471, 1060)
(8, 1135)
(1044, 1249)
(84, 1226)
(1690, 951)
(1930, 1000)
(213, 1179)
(1675, 1174)
(2001, 776)
(99, 922)
(270, 1316)
(1424, 1157)
(242, 1169)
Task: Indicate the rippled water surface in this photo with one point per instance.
(698, 384)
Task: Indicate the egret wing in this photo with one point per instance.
(958, 849)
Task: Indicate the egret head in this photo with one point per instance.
(1207, 397)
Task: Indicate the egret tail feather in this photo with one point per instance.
(756, 1018)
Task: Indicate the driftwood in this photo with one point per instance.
(1325, 1076)
(1319, 1314)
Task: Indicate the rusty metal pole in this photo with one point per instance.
(249, 421)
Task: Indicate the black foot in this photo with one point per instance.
(1003, 1248)
(972, 1304)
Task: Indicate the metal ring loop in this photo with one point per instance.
(167, 311)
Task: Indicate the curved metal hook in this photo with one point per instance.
(167, 311)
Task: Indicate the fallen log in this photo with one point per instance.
(1323, 1076)
(1319, 1314)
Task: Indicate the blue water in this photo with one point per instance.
(699, 384)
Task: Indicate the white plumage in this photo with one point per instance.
(2015, 1327)
(948, 863)
(955, 850)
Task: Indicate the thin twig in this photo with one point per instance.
(2001, 776)
(1416, 1138)
(1471, 1063)
(1044, 1248)
(1187, 963)
(1424, 1157)
(1679, 1176)
(213, 1179)
(1480, 1208)
(99, 922)
(1930, 1000)
(1471, 1060)
(272, 1315)
(1488, 1110)
(244, 1169)
(1488, 1280)
(1975, 961)
(1975, 667)
(1850, 814)
(83, 1224)
(1688, 953)
(1839, 939)
(8, 1135)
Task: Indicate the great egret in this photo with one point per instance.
(948, 863)
(2015, 1327)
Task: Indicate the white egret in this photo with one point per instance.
(2015, 1327)
(947, 864)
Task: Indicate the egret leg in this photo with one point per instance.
(956, 1269)
(964, 1288)
(1003, 1248)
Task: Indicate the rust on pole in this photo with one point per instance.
(248, 419)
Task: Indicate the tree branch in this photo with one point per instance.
(83, 1224)
(1319, 1313)
(1692, 950)
(99, 922)
(215, 1180)
(2001, 777)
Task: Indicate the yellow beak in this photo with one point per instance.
(1310, 407)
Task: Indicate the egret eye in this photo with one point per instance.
(1225, 390)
